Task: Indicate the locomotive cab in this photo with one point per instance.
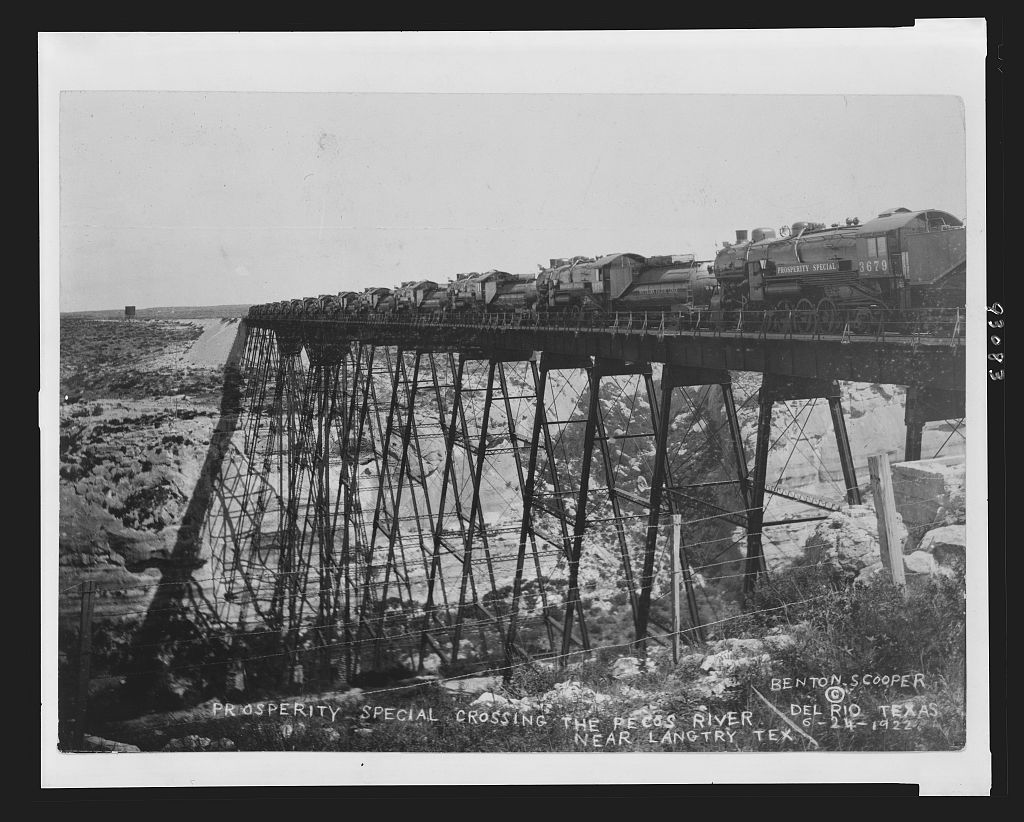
(347, 300)
(922, 253)
(465, 292)
(568, 283)
(374, 299)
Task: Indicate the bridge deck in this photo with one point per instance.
(935, 361)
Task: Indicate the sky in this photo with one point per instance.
(190, 198)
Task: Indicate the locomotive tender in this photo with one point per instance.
(625, 282)
(806, 278)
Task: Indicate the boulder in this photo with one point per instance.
(780, 642)
(472, 685)
(730, 662)
(713, 685)
(489, 700)
(948, 545)
(690, 660)
(739, 647)
(626, 667)
(869, 573)
(572, 694)
(848, 540)
(432, 663)
(917, 565)
(920, 562)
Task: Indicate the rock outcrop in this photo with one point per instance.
(848, 541)
(127, 477)
(948, 545)
(627, 667)
(718, 670)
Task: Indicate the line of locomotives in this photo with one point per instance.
(859, 276)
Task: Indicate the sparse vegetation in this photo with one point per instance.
(843, 636)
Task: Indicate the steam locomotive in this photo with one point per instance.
(492, 292)
(815, 276)
(802, 278)
(597, 287)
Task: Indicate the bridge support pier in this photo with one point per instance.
(322, 407)
(777, 389)
(571, 544)
(527, 485)
(673, 377)
(477, 522)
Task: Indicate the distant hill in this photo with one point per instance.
(187, 312)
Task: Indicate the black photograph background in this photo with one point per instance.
(188, 196)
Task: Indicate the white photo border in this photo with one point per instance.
(944, 57)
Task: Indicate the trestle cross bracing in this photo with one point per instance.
(412, 505)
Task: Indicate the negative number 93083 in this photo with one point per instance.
(996, 340)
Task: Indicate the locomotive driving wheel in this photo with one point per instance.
(803, 316)
(828, 317)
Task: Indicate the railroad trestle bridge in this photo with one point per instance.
(394, 490)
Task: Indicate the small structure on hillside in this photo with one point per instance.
(129, 312)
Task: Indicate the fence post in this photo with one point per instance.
(885, 513)
(84, 662)
(677, 520)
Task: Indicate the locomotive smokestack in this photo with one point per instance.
(741, 235)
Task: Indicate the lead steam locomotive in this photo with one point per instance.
(802, 278)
